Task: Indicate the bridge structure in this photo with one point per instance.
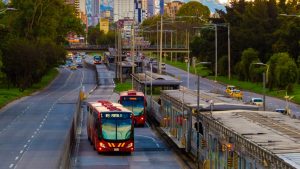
(152, 48)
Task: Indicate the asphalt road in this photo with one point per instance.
(33, 129)
(209, 85)
(150, 151)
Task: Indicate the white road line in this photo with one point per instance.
(153, 139)
(29, 141)
(21, 151)
(147, 124)
(32, 136)
(17, 158)
(11, 165)
(25, 145)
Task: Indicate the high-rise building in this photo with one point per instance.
(123, 9)
(172, 8)
(82, 4)
(75, 3)
(93, 12)
(150, 7)
(155, 7)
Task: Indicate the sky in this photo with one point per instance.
(212, 4)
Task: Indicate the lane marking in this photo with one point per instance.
(153, 139)
(17, 158)
(25, 145)
(21, 151)
(11, 165)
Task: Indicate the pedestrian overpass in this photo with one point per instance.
(152, 48)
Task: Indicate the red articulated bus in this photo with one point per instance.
(110, 127)
(136, 102)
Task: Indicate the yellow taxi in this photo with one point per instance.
(236, 94)
(73, 67)
(229, 89)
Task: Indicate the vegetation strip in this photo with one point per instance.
(10, 94)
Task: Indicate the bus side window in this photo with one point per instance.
(95, 120)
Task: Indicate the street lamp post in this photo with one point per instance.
(265, 80)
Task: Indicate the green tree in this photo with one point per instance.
(249, 56)
(283, 71)
(194, 8)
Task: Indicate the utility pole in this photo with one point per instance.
(132, 51)
(198, 119)
(216, 52)
(171, 46)
(116, 54)
(120, 57)
(264, 86)
(229, 71)
(188, 47)
(160, 52)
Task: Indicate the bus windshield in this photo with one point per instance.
(97, 58)
(134, 103)
(116, 126)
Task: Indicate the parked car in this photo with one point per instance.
(257, 101)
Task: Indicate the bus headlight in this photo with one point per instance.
(129, 145)
(102, 145)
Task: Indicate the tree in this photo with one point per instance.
(283, 71)
(194, 8)
(37, 30)
(249, 56)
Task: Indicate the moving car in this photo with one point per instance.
(283, 111)
(236, 94)
(229, 89)
(73, 66)
(257, 101)
(163, 65)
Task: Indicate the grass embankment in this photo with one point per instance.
(200, 69)
(11, 94)
(249, 86)
(123, 86)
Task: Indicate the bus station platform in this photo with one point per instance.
(234, 135)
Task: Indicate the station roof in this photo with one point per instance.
(157, 79)
(273, 131)
(220, 102)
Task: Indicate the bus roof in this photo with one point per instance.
(131, 93)
(107, 106)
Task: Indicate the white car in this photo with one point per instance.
(163, 65)
(257, 101)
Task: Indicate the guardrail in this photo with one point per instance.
(70, 140)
